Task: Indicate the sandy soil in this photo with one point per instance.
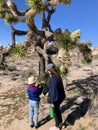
(14, 104)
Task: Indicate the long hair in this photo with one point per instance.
(54, 71)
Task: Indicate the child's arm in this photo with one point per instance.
(40, 89)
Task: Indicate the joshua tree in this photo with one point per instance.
(36, 37)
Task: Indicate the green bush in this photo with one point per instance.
(43, 78)
(19, 50)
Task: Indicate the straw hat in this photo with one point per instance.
(31, 80)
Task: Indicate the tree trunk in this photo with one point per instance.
(13, 39)
(3, 55)
(41, 65)
(16, 32)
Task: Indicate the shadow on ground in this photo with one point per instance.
(85, 86)
(79, 112)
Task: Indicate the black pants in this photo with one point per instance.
(58, 116)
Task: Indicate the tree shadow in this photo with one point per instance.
(85, 86)
(69, 104)
(45, 120)
(79, 112)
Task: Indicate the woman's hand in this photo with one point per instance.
(51, 105)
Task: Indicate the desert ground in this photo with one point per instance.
(80, 84)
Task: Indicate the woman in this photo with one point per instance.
(56, 93)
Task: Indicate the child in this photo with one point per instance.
(33, 92)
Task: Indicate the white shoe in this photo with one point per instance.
(54, 128)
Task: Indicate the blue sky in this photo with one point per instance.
(80, 14)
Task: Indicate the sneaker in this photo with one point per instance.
(62, 126)
(31, 126)
(36, 127)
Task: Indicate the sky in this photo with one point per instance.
(80, 14)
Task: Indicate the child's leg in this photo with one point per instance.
(36, 108)
(31, 113)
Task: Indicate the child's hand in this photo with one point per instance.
(36, 84)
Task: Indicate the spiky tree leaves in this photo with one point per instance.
(63, 69)
(9, 11)
(10, 19)
(68, 40)
(3, 6)
(85, 50)
(54, 3)
(19, 50)
(2, 3)
(64, 40)
(75, 36)
(35, 4)
(43, 78)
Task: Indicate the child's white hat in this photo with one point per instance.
(31, 80)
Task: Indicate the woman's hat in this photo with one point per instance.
(31, 80)
(50, 66)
